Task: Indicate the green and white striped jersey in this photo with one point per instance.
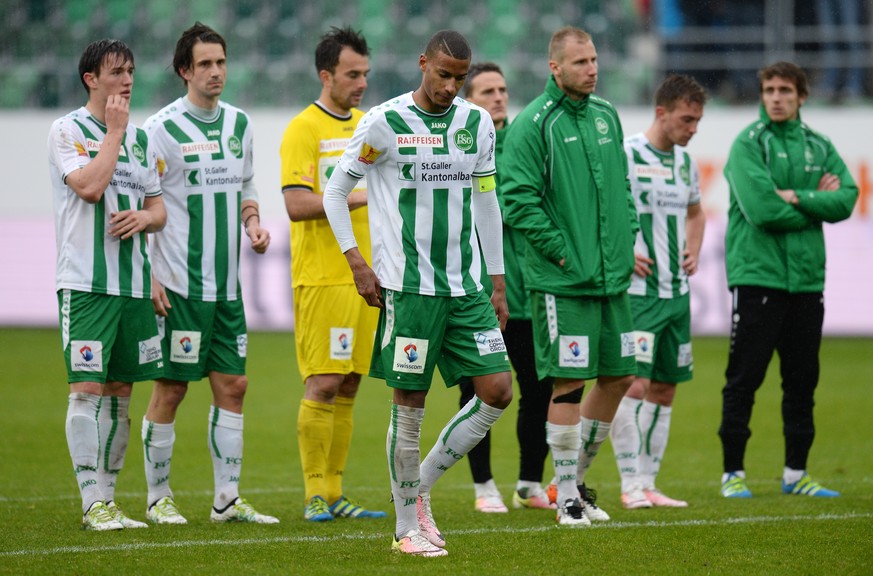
(419, 170)
(88, 258)
(663, 184)
(202, 166)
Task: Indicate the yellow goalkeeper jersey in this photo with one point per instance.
(312, 145)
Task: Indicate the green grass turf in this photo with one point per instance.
(769, 534)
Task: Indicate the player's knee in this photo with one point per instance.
(169, 393)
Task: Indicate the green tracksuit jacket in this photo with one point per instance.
(565, 188)
(769, 242)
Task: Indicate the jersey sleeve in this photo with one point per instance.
(152, 183)
(249, 148)
(67, 147)
(485, 163)
(694, 174)
(298, 154)
(368, 147)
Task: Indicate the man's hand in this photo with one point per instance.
(260, 237)
(642, 265)
(689, 262)
(159, 299)
(788, 195)
(498, 300)
(117, 113)
(829, 182)
(366, 281)
(126, 223)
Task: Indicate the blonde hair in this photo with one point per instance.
(559, 40)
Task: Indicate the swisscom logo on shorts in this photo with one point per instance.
(86, 356)
(490, 342)
(150, 350)
(410, 355)
(341, 340)
(645, 345)
(185, 347)
(573, 352)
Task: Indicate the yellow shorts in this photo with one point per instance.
(334, 330)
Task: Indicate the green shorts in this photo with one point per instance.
(582, 337)
(109, 338)
(663, 338)
(460, 335)
(201, 337)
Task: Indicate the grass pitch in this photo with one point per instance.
(769, 534)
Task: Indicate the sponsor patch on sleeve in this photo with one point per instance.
(368, 154)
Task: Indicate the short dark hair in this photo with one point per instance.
(678, 87)
(95, 55)
(475, 70)
(327, 53)
(184, 55)
(450, 43)
(787, 70)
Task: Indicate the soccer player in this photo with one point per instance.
(204, 149)
(106, 197)
(486, 87)
(785, 181)
(567, 192)
(333, 327)
(429, 158)
(666, 188)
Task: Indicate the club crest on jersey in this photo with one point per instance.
(234, 146)
(138, 153)
(684, 174)
(463, 139)
(421, 140)
(368, 154)
(194, 148)
(601, 125)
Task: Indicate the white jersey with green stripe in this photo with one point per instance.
(420, 169)
(202, 165)
(88, 258)
(664, 184)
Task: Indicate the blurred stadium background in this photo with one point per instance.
(271, 75)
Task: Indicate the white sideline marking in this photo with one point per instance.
(378, 536)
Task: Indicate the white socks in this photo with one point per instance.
(157, 441)
(402, 446)
(83, 443)
(594, 433)
(626, 441)
(790, 475)
(114, 432)
(461, 434)
(654, 423)
(564, 442)
(226, 448)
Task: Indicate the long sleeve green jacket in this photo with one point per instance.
(769, 242)
(565, 188)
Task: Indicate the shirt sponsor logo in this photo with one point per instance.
(410, 355)
(341, 339)
(150, 350)
(490, 342)
(463, 139)
(421, 140)
(333, 145)
(368, 154)
(86, 356)
(645, 346)
(644, 171)
(192, 178)
(94, 146)
(406, 171)
(573, 352)
(193, 148)
(683, 356)
(628, 344)
(185, 347)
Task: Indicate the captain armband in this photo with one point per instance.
(486, 183)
